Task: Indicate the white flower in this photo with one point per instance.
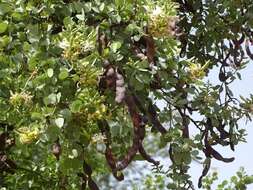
(64, 44)
(157, 11)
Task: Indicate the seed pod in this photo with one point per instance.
(87, 169)
(119, 77)
(222, 76)
(119, 98)
(83, 186)
(118, 175)
(102, 83)
(110, 72)
(92, 185)
(120, 94)
(119, 83)
(141, 56)
(56, 149)
(120, 90)
(106, 63)
(147, 157)
(83, 180)
(205, 171)
(3, 138)
(218, 156)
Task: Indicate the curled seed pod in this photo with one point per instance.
(56, 149)
(83, 184)
(3, 138)
(120, 94)
(120, 89)
(110, 82)
(141, 132)
(223, 133)
(102, 83)
(118, 175)
(83, 180)
(92, 185)
(112, 163)
(222, 76)
(237, 43)
(136, 119)
(119, 77)
(110, 72)
(87, 169)
(232, 146)
(110, 158)
(207, 165)
(141, 56)
(144, 120)
(106, 63)
(147, 157)
(154, 119)
(119, 83)
(209, 151)
(218, 156)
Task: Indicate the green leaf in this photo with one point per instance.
(248, 179)
(66, 114)
(182, 102)
(3, 27)
(51, 99)
(172, 186)
(63, 74)
(119, 3)
(76, 106)
(16, 16)
(50, 72)
(81, 16)
(36, 116)
(101, 7)
(33, 33)
(115, 46)
(5, 8)
(68, 22)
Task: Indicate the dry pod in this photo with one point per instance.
(120, 88)
(110, 72)
(56, 149)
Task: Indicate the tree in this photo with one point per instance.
(81, 82)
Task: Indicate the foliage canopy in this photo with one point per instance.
(81, 81)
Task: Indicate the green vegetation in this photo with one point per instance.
(81, 81)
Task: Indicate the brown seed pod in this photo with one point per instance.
(222, 76)
(56, 149)
(92, 185)
(207, 165)
(120, 88)
(87, 169)
(110, 72)
(147, 157)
